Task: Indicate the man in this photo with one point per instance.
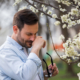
(15, 61)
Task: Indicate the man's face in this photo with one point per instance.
(27, 35)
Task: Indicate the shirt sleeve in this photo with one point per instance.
(15, 68)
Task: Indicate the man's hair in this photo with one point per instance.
(25, 16)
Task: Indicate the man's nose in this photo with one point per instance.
(32, 38)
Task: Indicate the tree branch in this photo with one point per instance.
(46, 4)
(41, 10)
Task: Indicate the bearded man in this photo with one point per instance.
(16, 61)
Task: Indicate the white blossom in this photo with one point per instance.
(57, 23)
(62, 37)
(69, 21)
(72, 17)
(69, 25)
(78, 55)
(69, 48)
(41, 14)
(75, 37)
(16, 2)
(77, 6)
(60, 6)
(49, 12)
(52, 8)
(63, 50)
(37, 10)
(69, 60)
(79, 35)
(35, 5)
(75, 1)
(64, 26)
(65, 45)
(78, 21)
(64, 18)
(42, 5)
(73, 57)
(73, 23)
(54, 16)
(32, 8)
(58, 1)
(69, 13)
(79, 3)
(70, 51)
(77, 42)
(44, 8)
(66, 2)
(63, 10)
(74, 11)
(78, 74)
(63, 56)
(78, 64)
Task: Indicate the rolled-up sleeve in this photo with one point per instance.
(14, 67)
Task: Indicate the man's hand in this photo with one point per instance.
(53, 69)
(38, 44)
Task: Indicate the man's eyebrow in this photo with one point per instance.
(30, 33)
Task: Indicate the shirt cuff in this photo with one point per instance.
(35, 58)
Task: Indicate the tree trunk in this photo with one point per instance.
(70, 70)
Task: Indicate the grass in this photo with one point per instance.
(63, 75)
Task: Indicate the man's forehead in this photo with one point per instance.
(31, 24)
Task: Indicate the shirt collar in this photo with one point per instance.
(10, 40)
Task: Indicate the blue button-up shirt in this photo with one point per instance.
(15, 65)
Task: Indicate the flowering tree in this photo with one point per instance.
(69, 18)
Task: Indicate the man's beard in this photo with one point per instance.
(23, 42)
(29, 43)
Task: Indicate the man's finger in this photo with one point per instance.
(44, 44)
(55, 72)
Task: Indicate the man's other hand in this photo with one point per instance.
(53, 69)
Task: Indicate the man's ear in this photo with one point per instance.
(15, 29)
